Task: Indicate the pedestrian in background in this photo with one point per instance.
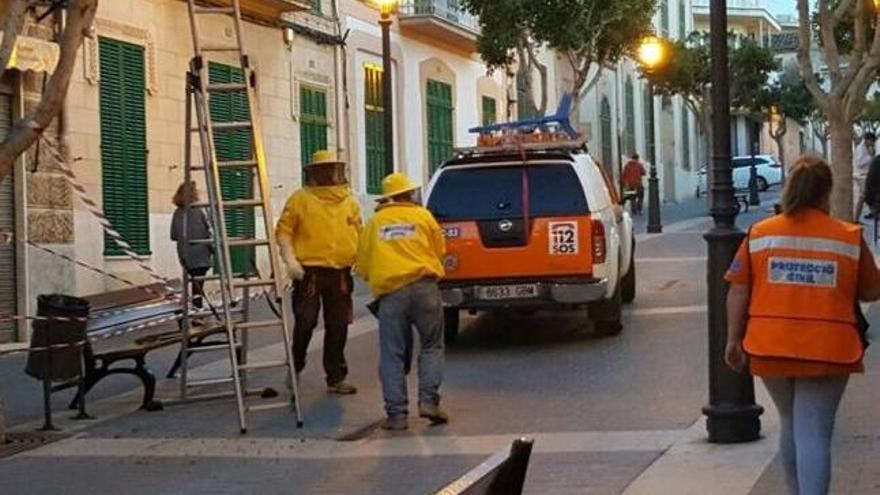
(803, 352)
(871, 197)
(191, 224)
(401, 257)
(317, 237)
(862, 158)
(633, 185)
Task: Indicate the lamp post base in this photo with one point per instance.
(654, 225)
(733, 423)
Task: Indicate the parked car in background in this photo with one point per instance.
(768, 171)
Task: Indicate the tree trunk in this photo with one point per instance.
(841, 167)
(780, 148)
(80, 14)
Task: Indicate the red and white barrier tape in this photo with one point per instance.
(95, 269)
(98, 213)
(99, 337)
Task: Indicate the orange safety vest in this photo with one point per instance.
(804, 286)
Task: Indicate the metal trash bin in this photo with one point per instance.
(61, 363)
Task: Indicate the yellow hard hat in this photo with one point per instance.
(395, 184)
(324, 157)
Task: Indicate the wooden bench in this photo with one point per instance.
(109, 345)
(502, 474)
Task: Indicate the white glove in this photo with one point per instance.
(295, 270)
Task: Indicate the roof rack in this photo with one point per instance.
(514, 146)
(560, 120)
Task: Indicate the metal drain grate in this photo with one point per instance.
(17, 443)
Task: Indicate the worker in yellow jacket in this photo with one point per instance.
(317, 237)
(401, 257)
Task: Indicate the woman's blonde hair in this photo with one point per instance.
(808, 185)
(186, 194)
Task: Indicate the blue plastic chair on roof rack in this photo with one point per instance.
(560, 119)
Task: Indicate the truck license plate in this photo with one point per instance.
(497, 292)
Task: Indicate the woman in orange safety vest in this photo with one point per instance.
(791, 318)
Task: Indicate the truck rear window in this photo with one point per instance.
(493, 193)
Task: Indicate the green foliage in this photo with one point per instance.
(688, 71)
(590, 31)
(869, 118)
(790, 96)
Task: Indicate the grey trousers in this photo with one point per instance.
(807, 407)
(416, 305)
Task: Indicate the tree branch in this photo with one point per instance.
(841, 10)
(803, 53)
(542, 71)
(829, 41)
(11, 29)
(81, 14)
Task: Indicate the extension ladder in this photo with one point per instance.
(235, 283)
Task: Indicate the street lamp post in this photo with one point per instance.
(732, 415)
(652, 55)
(386, 8)
(754, 199)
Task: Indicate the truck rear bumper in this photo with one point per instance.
(544, 293)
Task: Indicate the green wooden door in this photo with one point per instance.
(312, 122)
(490, 111)
(630, 108)
(234, 145)
(374, 110)
(124, 144)
(650, 141)
(607, 137)
(439, 111)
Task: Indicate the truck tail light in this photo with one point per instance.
(598, 241)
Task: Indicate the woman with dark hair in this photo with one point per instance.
(792, 318)
(190, 224)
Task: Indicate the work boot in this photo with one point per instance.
(341, 388)
(395, 423)
(433, 413)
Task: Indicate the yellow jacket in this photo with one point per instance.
(321, 225)
(401, 244)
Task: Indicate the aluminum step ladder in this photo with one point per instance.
(235, 287)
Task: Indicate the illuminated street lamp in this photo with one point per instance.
(652, 56)
(386, 8)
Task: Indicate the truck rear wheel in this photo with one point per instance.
(629, 280)
(450, 324)
(607, 315)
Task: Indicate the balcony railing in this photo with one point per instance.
(447, 10)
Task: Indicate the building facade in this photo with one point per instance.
(621, 117)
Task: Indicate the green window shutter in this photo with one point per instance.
(374, 117)
(685, 138)
(316, 7)
(664, 17)
(682, 20)
(440, 129)
(312, 122)
(650, 144)
(524, 110)
(233, 145)
(124, 144)
(490, 111)
(607, 134)
(630, 107)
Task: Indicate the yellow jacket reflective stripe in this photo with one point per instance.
(322, 224)
(400, 245)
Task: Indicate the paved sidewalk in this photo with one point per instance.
(610, 415)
